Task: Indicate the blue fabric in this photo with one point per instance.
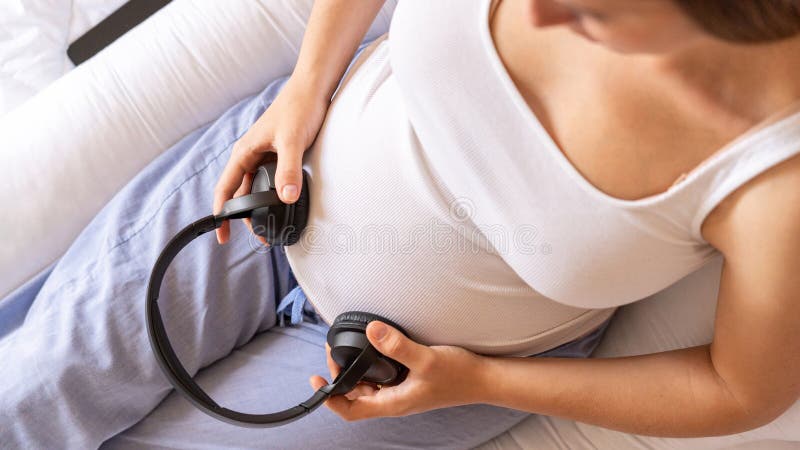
(78, 371)
(14, 307)
(295, 302)
(77, 366)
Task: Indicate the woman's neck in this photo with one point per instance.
(749, 83)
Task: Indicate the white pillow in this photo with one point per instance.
(70, 148)
(34, 35)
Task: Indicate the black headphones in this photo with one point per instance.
(279, 224)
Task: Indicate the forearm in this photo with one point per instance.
(334, 31)
(676, 393)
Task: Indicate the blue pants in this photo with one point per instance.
(77, 370)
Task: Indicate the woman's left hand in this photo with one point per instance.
(439, 376)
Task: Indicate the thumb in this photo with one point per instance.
(289, 174)
(317, 382)
(396, 345)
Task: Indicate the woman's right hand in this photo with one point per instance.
(288, 127)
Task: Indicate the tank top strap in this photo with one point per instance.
(743, 160)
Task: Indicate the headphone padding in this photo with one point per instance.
(360, 319)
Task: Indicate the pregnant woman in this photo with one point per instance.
(495, 176)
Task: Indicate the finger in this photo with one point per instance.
(223, 232)
(245, 189)
(226, 186)
(363, 407)
(398, 346)
(332, 366)
(246, 186)
(261, 239)
(243, 159)
(317, 382)
(371, 406)
(249, 224)
(289, 174)
(361, 389)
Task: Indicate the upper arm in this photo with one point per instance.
(756, 346)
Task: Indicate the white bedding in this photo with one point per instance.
(70, 147)
(34, 36)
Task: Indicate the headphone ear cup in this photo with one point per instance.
(347, 337)
(300, 216)
(280, 224)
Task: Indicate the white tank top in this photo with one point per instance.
(440, 202)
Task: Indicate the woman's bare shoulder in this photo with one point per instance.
(765, 210)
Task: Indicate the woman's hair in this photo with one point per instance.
(748, 21)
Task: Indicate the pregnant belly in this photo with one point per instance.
(384, 237)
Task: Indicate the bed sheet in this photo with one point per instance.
(34, 36)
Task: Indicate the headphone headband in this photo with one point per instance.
(289, 220)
